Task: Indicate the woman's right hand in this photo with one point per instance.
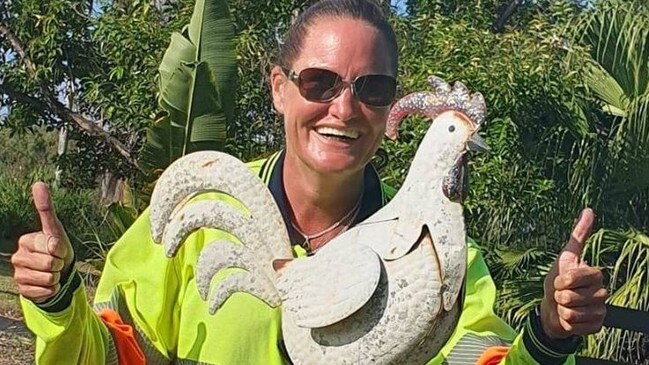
(42, 257)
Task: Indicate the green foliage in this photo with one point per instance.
(514, 193)
(16, 212)
(77, 209)
(624, 255)
(26, 159)
(101, 64)
(612, 164)
(519, 274)
(197, 84)
(566, 89)
(601, 161)
(260, 25)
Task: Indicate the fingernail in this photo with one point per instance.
(574, 224)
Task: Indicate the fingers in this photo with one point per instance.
(583, 276)
(43, 203)
(37, 286)
(37, 278)
(38, 294)
(44, 243)
(581, 297)
(38, 261)
(582, 321)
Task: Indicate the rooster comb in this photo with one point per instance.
(443, 97)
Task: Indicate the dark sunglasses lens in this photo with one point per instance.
(319, 85)
(376, 90)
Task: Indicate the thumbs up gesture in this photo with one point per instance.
(573, 302)
(42, 256)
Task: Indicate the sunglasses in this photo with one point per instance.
(322, 86)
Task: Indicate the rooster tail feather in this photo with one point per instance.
(258, 286)
(212, 171)
(222, 254)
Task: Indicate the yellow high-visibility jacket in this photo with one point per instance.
(147, 308)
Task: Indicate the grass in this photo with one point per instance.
(16, 343)
(9, 303)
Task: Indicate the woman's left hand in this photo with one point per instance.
(574, 299)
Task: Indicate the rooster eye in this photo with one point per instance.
(451, 128)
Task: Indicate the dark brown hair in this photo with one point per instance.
(365, 10)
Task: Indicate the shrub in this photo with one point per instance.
(78, 210)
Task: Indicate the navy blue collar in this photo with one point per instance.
(371, 202)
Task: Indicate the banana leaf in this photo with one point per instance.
(197, 85)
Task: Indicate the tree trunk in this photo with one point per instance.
(61, 149)
(63, 132)
(499, 24)
(112, 189)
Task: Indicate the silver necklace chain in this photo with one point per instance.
(308, 237)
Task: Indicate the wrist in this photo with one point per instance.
(542, 348)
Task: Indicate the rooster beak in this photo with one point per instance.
(477, 144)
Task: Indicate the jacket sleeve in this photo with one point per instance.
(139, 285)
(483, 338)
(71, 335)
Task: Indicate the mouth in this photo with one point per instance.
(477, 144)
(456, 183)
(346, 135)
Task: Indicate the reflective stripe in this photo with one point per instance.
(111, 353)
(190, 362)
(117, 304)
(267, 168)
(493, 355)
(471, 347)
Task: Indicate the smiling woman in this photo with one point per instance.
(333, 84)
(333, 126)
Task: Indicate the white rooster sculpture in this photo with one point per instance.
(387, 290)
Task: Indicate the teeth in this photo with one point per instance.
(349, 133)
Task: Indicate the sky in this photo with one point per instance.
(400, 5)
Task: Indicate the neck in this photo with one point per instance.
(318, 201)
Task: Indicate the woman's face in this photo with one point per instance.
(339, 136)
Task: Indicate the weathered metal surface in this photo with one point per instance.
(401, 312)
(222, 255)
(386, 291)
(432, 104)
(212, 171)
(243, 282)
(326, 288)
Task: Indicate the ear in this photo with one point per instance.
(277, 83)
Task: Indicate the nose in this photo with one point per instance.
(344, 106)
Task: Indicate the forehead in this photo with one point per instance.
(347, 46)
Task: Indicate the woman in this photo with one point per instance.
(333, 84)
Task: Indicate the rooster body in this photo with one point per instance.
(385, 291)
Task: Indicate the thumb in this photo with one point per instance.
(49, 222)
(570, 256)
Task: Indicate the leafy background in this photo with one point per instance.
(566, 83)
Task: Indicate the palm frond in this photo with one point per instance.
(624, 257)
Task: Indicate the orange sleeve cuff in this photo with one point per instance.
(128, 351)
(493, 355)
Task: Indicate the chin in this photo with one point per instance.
(337, 164)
